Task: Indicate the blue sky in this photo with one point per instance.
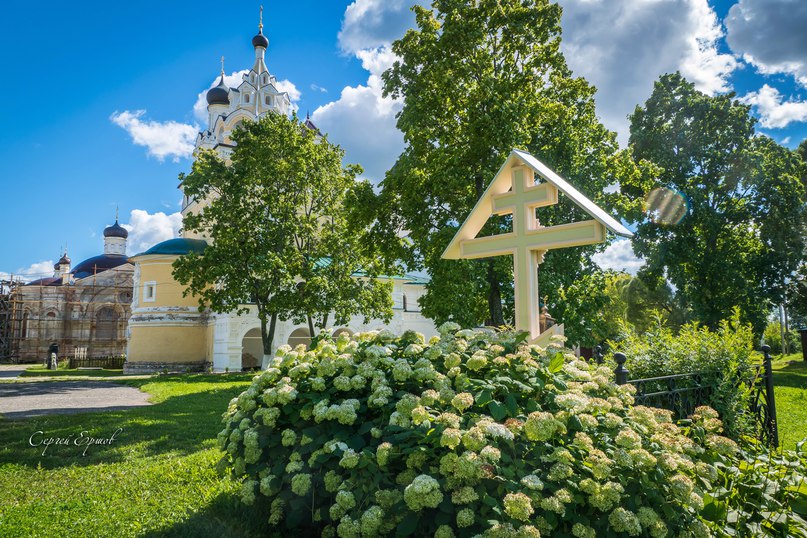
(100, 97)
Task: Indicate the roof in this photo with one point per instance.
(98, 264)
(176, 247)
(574, 195)
(550, 184)
(49, 281)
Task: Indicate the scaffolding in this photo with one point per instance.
(86, 319)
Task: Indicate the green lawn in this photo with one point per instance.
(157, 479)
(790, 388)
(41, 371)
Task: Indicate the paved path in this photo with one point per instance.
(12, 370)
(24, 400)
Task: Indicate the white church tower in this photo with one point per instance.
(228, 107)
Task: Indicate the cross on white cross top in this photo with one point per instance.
(513, 191)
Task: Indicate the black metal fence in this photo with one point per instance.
(682, 393)
(109, 363)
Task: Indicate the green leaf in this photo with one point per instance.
(497, 410)
(556, 363)
(408, 525)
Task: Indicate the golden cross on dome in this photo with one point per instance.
(222, 66)
(260, 24)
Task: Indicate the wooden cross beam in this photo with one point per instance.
(513, 191)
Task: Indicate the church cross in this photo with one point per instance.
(513, 191)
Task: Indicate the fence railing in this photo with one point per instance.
(109, 363)
(682, 393)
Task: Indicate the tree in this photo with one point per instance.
(283, 234)
(729, 241)
(477, 79)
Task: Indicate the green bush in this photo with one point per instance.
(772, 336)
(471, 434)
(724, 358)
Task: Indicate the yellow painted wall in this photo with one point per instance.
(169, 292)
(169, 344)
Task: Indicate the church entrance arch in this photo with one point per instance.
(299, 336)
(251, 349)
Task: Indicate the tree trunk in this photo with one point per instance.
(267, 337)
(325, 317)
(310, 326)
(496, 315)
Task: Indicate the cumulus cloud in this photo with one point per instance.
(34, 271)
(288, 86)
(370, 24)
(770, 35)
(619, 256)
(147, 229)
(644, 40)
(162, 139)
(362, 121)
(773, 110)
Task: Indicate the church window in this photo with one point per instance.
(299, 336)
(269, 100)
(149, 292)
(106, 324)
(246, 98)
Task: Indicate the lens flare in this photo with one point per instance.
(666, 206)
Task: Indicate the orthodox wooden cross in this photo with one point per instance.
(514, 191)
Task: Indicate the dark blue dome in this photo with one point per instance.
(260, 40)
(116, 230)
(219, 94)
(97, 264)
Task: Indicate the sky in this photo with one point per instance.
(103, 103)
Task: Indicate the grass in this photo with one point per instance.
(41, 371)
(790, 389)
(156, 479)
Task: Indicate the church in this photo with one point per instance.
(81, 309)
(167, 331)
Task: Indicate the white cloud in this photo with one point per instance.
(147, 229)
(370, 24)
(319, 88)
(770, 35)
(362, 121)
(774, 112)
(619, 256)
(43, 269)
(288, 86)
(162, 139)
(643, 40)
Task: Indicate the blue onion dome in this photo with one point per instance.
(260, 40)
(220, 94)
(116, 230)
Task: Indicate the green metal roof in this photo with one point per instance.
(177, 247)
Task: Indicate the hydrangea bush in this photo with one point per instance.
(471, 434)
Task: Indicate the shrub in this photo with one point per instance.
(724, 358)
(474, 433)
(772, 336)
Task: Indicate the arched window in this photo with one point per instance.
(300, 336)
(252, 349)
(337, 332)
(106, 324)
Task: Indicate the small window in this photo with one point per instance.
(246, 98)
(269, 100)
(149, 292)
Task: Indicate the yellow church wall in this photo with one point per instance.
(157, 270)
(170, 344)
